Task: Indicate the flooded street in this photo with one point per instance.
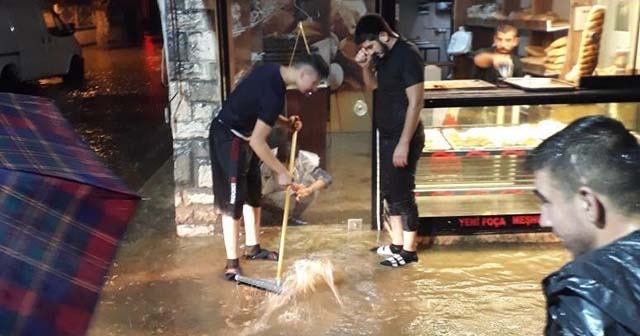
(163, 285)
(119, 110)
(175, 287)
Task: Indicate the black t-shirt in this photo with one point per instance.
(398, 70)
(492, 75)
(259, 96)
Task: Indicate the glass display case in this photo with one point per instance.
(470, 177)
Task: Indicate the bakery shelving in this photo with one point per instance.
(532, 25)
(540, 23)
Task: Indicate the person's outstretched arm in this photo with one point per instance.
(258, 142)
(483, 60)
(322, 179)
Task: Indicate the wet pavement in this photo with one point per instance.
(451, 291)
(119, 110)
(164, 285)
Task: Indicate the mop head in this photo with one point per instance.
(303, 278)
(266, 284)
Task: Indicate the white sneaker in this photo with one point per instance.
(384, 250)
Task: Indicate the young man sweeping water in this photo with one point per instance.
(238, 142)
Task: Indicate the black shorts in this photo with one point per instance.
(397, 184)
(235, 170)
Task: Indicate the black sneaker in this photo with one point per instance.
(294, 221)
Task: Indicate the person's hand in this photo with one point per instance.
(295, 187)
(295, 123)
(400, 155)
(303, 192)
(501, 60)
(285, 179)
(363, 58)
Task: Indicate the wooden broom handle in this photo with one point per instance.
(287, 203)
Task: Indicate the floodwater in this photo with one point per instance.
(119, 110)
(175, 287)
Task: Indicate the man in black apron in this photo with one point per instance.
(238, 143)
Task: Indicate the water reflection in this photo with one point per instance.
(463, 290)
(119, 110)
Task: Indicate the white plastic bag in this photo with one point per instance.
(460, 42)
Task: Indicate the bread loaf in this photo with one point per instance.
(556, 60)
(554, 66)
(534, 60)
(590, 41)
(557, 52)
(558, 43)
(535, 51)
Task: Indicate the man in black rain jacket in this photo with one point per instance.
(586, 177)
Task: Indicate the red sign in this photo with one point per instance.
(498, 221)
(526, 220)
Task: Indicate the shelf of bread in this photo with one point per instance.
(546, 61)
(533, 25)
(524, 136)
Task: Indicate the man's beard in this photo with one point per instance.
(503, 51)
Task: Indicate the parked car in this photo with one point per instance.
(35, 43)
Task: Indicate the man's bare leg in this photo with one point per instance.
(230, 234)
(251, 225)
(396, 230)
(252, 217)
(410, 240)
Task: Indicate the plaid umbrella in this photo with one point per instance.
(62, 215)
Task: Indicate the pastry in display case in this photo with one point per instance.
(497, 137)
(434, 141)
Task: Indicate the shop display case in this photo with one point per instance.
(470, 178)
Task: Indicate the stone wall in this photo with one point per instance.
(191, 46)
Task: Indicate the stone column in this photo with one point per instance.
(191, 48)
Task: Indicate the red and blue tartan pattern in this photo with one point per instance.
(62, 216)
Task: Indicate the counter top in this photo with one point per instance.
(511, 96)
